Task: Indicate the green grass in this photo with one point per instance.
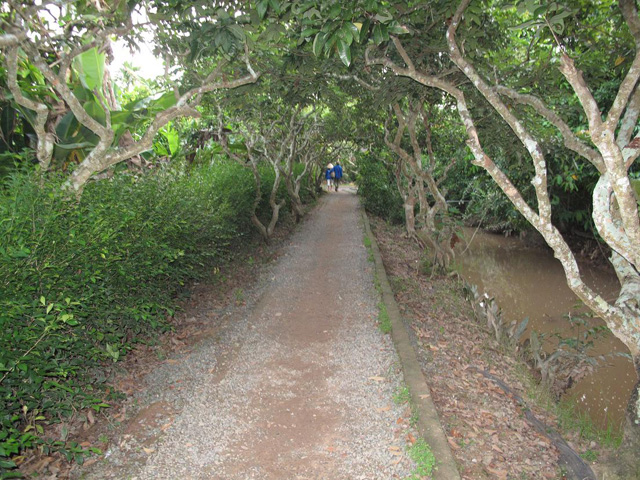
(402, 396)
(367, 243)
(376, 282)
(570, 419)
(590, 456)
(384, 322)
(238, 294)
(421, 453)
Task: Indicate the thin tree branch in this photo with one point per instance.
(533, 147)
(571, 140)
(45, 140)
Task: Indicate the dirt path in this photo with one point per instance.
(299, 384)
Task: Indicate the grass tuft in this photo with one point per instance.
(384, 321)
(402, 396)
(420, 452)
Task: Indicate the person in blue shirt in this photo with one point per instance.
(328, 176)
(337, 175)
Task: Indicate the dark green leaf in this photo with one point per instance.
(261, 7)
(318, 43)
(344, 51)
(364, 30)
(308, 32)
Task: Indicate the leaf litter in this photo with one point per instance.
(486, 428)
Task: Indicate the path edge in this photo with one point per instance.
(429, 425)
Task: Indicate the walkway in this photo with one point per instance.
(299, 385)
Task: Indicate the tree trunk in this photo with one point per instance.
(293, 189)
(409, 214)
(266, 231)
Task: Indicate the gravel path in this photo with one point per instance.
(299, 384)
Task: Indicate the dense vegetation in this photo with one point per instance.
(376, 186)
(82, 282)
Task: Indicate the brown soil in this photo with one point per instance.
(486, 428)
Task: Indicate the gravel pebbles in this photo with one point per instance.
(299, 384)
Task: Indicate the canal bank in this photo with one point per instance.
(488, 429)
(526, 281)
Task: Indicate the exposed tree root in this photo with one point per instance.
(576, 467)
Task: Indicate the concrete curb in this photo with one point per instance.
(429, 425)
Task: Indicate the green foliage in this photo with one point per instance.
(572, 419)
(81, 282)
(490, 208)
(384, 321)
(90, 67)
(402, 395)
(268, 177)
(343, 28)
(377, 188)
(420, 452)
(74, 141)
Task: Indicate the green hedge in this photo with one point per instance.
(80, 282)
(378, 190)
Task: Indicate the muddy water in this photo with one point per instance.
(529, 282)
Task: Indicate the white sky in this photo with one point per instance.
(150, 66)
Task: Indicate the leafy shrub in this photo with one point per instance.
(80, 282)
(377, 188)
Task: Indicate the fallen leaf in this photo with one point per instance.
(394, 448)
(120, 417)
(377, 379)
(384, 409)
(90, 417)
(39, 466)
(410, 438)
(148, 450)
(453, 444)
(166, 425)
(501, 474)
